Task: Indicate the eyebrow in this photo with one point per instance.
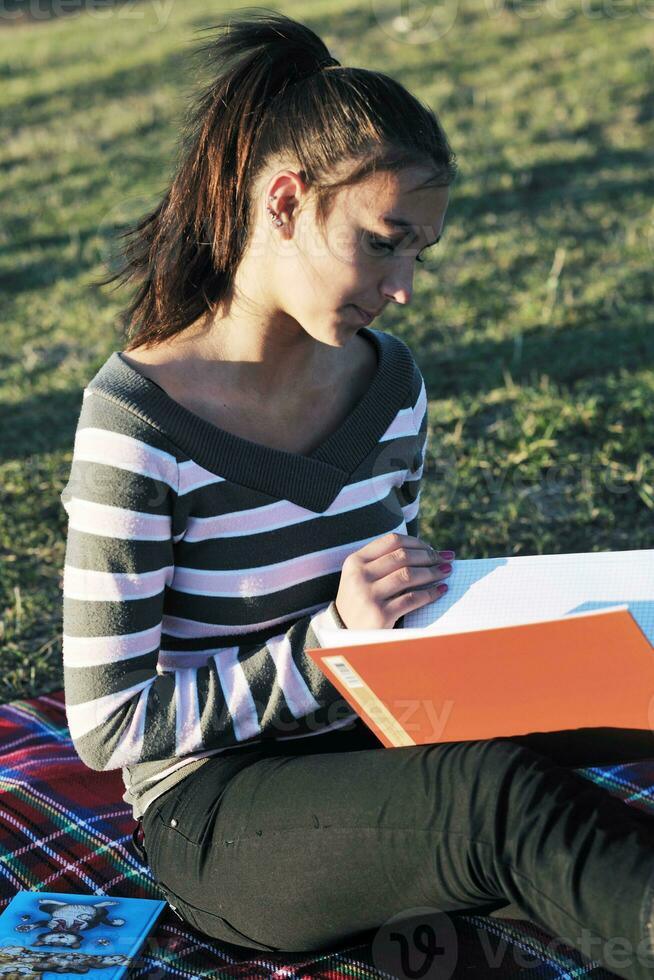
(401, 223)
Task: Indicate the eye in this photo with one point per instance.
(390, 247)
(379, 243)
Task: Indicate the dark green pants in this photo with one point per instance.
(307, 844)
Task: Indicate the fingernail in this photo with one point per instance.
(442, 587)
(446, 554)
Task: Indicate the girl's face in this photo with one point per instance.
(366, 257)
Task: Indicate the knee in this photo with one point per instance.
(485, 769)
(506, 757)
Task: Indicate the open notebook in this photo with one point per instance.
(517, 644)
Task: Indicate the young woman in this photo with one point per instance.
(246, 474)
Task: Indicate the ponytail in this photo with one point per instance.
(339, 120)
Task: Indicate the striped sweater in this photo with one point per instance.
(200, 566)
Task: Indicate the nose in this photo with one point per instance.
(398, 284)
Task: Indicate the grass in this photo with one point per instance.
(532, 323)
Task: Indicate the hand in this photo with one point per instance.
(372, 592)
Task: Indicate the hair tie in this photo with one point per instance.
(328, 63)
(318, 67)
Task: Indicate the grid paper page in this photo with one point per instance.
(485, 593)
(490, 592)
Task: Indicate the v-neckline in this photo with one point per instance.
(311, 480)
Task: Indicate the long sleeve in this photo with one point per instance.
(411, 488)
(124, 705)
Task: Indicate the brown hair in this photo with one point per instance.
(341, 124)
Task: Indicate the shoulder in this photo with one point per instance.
(118, 399)
(116, 436)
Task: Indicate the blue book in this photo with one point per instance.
(45, 935)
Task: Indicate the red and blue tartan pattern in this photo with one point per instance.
(65, 828)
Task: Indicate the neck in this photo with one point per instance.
(257, 357)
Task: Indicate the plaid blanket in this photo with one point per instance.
(65, 828)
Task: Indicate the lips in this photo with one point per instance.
(365, 316)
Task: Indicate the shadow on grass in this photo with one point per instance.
(595, 350)
(44, 271)
(566, 181)
(42, 107)
(40, 424)
(602, 344)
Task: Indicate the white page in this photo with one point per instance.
(486, 593)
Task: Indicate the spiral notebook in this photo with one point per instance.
(517, 645)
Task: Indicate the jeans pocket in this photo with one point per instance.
(190, 817)
(183, 813)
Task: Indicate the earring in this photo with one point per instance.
(276, 220)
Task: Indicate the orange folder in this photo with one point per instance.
(592, 669)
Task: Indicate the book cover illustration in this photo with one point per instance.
(46, 934)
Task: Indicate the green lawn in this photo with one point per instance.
(532, 323)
